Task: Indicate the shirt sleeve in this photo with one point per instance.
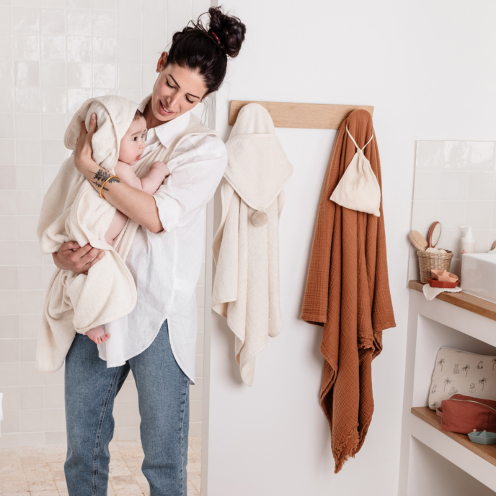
(197, 166)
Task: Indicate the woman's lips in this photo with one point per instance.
(163, 111)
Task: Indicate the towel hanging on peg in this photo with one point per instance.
(246, 245)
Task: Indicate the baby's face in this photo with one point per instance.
(133, 144)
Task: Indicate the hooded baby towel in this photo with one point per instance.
(246, 245)
(73, 210)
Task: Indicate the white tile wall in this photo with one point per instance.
(54, 54)
(455, 184)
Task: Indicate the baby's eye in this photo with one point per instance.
(135, 138)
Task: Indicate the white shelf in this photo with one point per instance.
(432, 324)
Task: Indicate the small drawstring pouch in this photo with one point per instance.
(358, 188)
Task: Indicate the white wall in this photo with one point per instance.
(54, 54)
(428, 69)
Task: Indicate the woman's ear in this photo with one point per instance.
(161, 61)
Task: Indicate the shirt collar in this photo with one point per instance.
(167, 131)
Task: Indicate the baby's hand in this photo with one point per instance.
(161, 166)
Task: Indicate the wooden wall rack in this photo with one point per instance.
(301, 115)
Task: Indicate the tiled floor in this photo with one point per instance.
(31, 471)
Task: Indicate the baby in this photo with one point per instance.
(130, 151)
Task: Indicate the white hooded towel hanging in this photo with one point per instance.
(246, 245)
(359, 189)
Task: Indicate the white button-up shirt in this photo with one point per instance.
(166, 265)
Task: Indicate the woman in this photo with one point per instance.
(157, 339)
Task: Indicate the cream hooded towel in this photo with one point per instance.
(246, 245)
(73, 210)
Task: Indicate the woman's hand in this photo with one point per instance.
(78, 259)
(83, 152)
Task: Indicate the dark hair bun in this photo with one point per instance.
(229, 29)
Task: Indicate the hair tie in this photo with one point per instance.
(216, 37)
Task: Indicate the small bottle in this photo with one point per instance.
(467, 246)
(468, 241)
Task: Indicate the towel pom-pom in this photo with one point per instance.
(259, 218)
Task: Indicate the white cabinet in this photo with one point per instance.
(432, 461)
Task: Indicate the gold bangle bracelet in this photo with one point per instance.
(103, 184)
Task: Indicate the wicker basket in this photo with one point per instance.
(436, 261)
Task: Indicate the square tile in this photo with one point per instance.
(76, 97)
(54, 100)
(7, 100)
(104, 23)
(29, 326)
(454, 185)
(9, 351)
(424, 214)
(79, 49)
(26, 227)
(7, 177)
(6, 19)
(27, 73)
(480, 185)
(8, 227)
(53, 47)
(30, 277)
(105, 50)
(479, 214)
(129, 51)
(54, 396)
(33, 420)
(129, 76)
(7, 125)
(31, 301)
(482, 155)
(456, 154)
(27, 353)
(28, 177)
(29, 252)
(28, 203)
(26, 47)
(8, 280)
(104, 75)
(9, 326)
(54, 126)
(29, 377)
(6, 46)
(8, 252)
(79, 75)
(452, 214)
(27, 100)
(53, 152)
(78, 22)
(53, 74)
(7, 152)
(26, 20)
(53, 21)
(28, 126)
(28, 152)
(9, 374)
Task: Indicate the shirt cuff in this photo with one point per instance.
(168, 212)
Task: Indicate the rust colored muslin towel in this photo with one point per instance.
(347, 292)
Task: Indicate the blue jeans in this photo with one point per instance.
(90, 390)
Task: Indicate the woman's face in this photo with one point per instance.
(176, 90)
